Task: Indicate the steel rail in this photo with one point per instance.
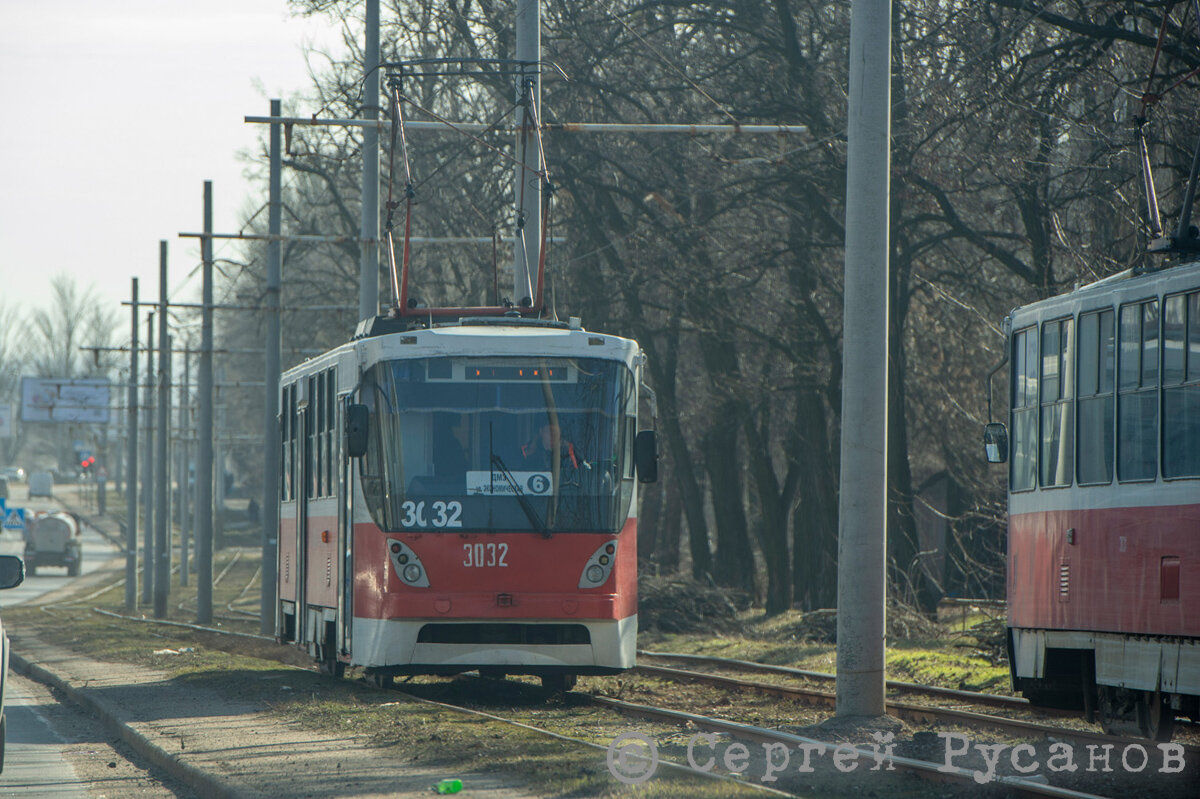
(920, 768)
(994, 700)
(907, 710)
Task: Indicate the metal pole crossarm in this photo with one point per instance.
(755, 129)
(320, 239)
(233, 351)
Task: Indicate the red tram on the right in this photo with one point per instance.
(1104, 499)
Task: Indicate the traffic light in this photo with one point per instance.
(87, 462)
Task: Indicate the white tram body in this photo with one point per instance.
(417, 534)
(1104, 500)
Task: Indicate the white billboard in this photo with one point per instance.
(49, 399)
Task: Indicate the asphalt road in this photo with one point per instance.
(53, 749)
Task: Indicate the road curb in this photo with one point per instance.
(202, 782)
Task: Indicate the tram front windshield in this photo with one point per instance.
(507, 444)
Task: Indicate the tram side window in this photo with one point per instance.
(1024, 410)
(1181, 386)
(287, 413)
(1137, 392)
(327, 428)
(1097, 358)
(310, 435)
(1058, 416)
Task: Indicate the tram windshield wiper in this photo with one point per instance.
(526, 506)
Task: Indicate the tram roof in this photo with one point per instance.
(1127, 285)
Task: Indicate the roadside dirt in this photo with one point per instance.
(240, 744)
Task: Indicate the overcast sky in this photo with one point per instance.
(116, 112)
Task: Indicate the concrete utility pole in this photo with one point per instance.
(131, 478)
(185, 410)
(528, 184)
(162, 546)
(270, 492)
(148, 469)
(368, 267)
(862, 534)
(204, 429)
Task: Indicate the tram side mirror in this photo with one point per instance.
(645, 456)
(12, 571)
(995, 442)
(356, 430)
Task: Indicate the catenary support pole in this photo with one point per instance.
(862, 540)
(368, 267)
(204, 429)
(528, 184)
(131, 468)
(162, 547)
(185, 461)
(270, 492)
(148, 469)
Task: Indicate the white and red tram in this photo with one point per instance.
(417, 534)
(1104, 499)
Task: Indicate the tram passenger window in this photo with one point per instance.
(1024, 410)
(1193, 337)
(1058, 420)
(1137, 401)
(330, 426)
(1095, 430)
(1181, 386)
(310, 440)
(286, 415)
(320, 458)
(1174, 327)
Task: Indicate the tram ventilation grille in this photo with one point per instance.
(529, 634)
(1064, 582)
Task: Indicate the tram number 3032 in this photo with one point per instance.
(444, 514)
(485, 555)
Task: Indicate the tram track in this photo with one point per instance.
(912, 712)
(925, 770)
(1010, 703)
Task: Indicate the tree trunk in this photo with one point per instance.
(734, 566)
(815, 522)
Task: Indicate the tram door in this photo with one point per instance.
(290, 481)
(301, 473)
(321, 519)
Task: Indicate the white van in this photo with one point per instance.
(41, 484)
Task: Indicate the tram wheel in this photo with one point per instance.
(559, 681)
(380, 679)
(1126, 711)
(1156, 718)
(332, 667)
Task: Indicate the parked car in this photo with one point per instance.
(41, 484)
(12, 574)
(53, 540)
(14, 474)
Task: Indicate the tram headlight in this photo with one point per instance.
(599, 566)
(412, 573)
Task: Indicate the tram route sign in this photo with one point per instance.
(494, 483)
(50, 399)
